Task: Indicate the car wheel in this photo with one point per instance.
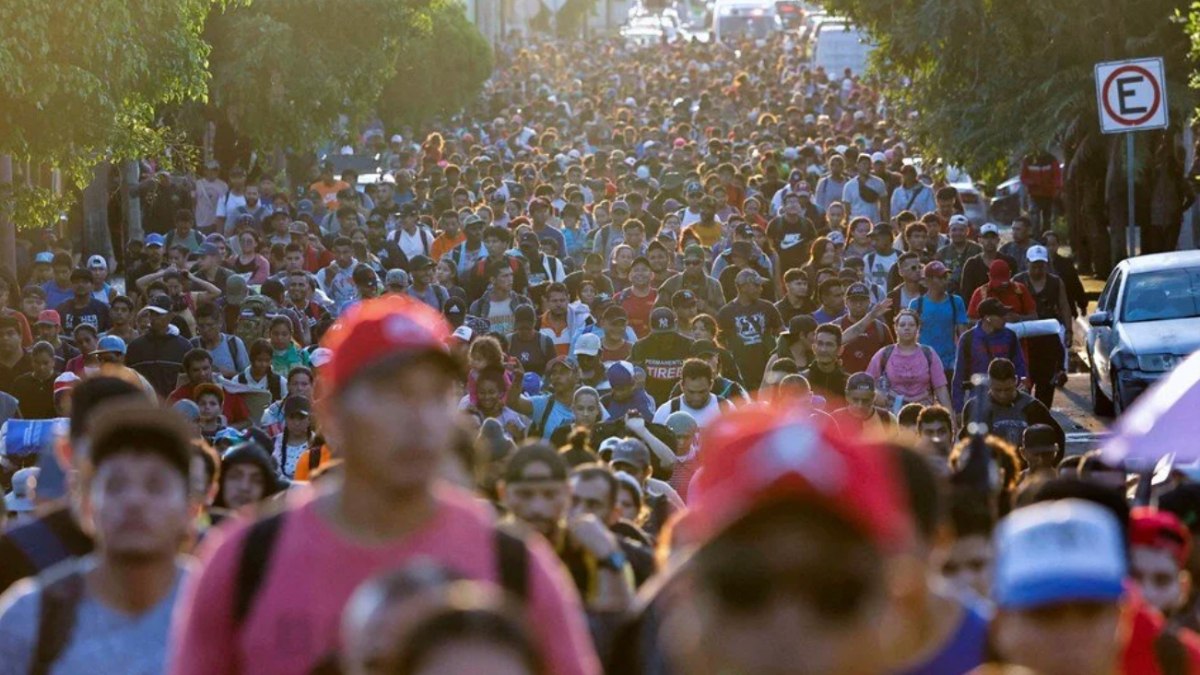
(1101, 404)
(1118, 403)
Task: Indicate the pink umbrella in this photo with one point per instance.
(1164, 420)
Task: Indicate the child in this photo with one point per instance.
(297, 434)
(286, 355)
(259, 374)
(210, 399)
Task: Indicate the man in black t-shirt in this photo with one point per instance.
(792, 233)
(750, 325)
(83, 308)
(825, 375)
(661, 354)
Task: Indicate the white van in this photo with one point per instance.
(734, 20)
(838, 45)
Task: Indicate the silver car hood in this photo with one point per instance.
(1175, 336)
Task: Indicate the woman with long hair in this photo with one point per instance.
(619, 266)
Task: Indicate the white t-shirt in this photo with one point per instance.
(701, 415)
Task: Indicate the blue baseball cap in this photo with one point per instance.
(156, 240)
(531, 384)
(44, 258)
(1049, 553)
(110, 343)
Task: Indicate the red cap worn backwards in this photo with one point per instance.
(758, 454)
(1161, 530)
(380, 330)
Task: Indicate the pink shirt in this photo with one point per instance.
(294, 621)
(910, 375)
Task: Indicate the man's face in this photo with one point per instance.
(200, 371)
(958, 234)
(635, 237)
(33, 305)
(495, 246)
(918, 241)
(244, 484)
(833, 300)
(298, 288)
(344, 255)
(423, 275)
(966, 564)
(861, 403)
(857, 305)
(1158, 576)
(750, 291)
(82, 288)
(564, 379)
(936, 283)
(503, 281)
(937, 437)
(945, 207)
(294, 261)
(696, 391)
(395, 424)
(1038, 269)
(592, 497)
(46, 331)
(539, 500)
(1003, 392)
(556, 304)
(139, 506)
(252, 195)
(990, 243)
(10, 340)
(693, 266)
(208, 327)
(261, 362)
(641, 275)
(837, 165)
(1065, 639)
(825, 348)
(1020, 231)
(62, 275)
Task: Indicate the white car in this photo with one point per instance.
(1147, 321)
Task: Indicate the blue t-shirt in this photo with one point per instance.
(821, 316)
(937, 325)
(559, 414)
(965, 651)
(640, 402)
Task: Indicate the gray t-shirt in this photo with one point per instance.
(103, 640)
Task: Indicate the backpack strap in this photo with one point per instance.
(540, 427)
(512, 557)
(253, 563)
(883, 360)
(314, 459)
(676, 404)
(1170, 653)
(56, 618)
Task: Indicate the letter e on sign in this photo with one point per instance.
(1131, 95)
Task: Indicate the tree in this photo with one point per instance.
(439, 70)
(285, 71)
(80, 83)
(995, 80)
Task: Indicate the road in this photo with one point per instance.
(1073, 410)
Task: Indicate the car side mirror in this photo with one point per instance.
(1100, 320)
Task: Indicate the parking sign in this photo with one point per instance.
(1131, 95)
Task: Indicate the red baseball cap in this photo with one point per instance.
(936, 268)
(999, 272)
(388, 328)
(1160, 529)
(50, 316)
(761, 453)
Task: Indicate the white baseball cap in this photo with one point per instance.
(588, 344)
(989, 228)
(1038, 254)
(97, 262)
(879, 157)
(1055, 552)
(960, 219)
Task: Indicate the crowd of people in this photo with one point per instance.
(657, 360)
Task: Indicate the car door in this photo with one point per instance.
(1103, 337)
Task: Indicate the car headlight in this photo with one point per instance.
(1157, 363)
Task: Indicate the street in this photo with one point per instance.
(1073, 410)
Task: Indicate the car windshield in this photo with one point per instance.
(1162, 295)
(752, 26)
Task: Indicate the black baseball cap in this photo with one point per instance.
(704, 348)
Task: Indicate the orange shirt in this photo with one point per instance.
(443, 245)
(329, 193)
(302, 462)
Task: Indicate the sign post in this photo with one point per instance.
(1131, 96)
